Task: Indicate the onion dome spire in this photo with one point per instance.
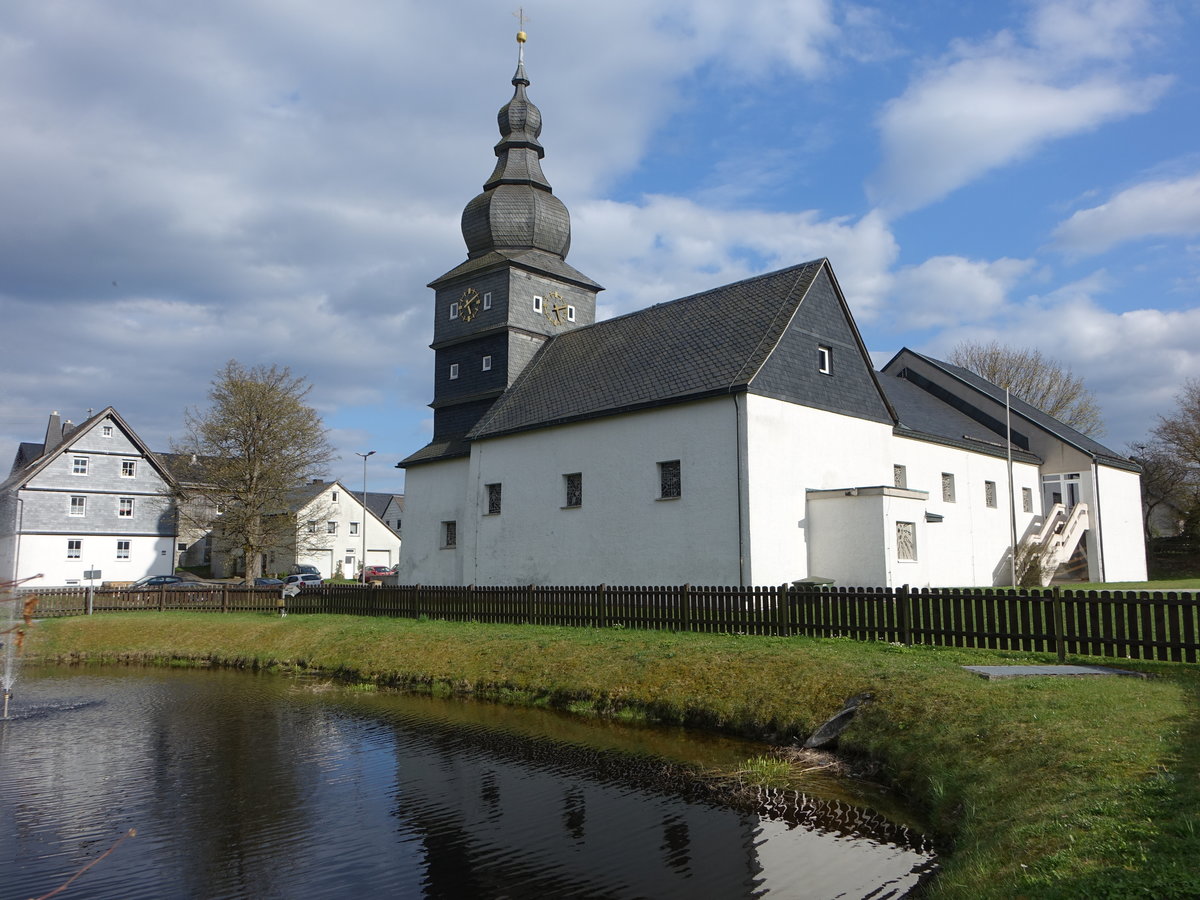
(517, 209)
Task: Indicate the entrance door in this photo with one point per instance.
(1062, 488)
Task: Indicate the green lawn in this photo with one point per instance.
(1048, 787)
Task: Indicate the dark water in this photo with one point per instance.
(261, 786)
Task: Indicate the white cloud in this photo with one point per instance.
(1153, 208)
(990, 104)
(951, 290)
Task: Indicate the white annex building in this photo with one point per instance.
(739, 436)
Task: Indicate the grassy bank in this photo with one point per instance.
(1049, 787)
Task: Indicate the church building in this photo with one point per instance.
(739, 436)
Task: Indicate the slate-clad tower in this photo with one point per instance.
(515, 288)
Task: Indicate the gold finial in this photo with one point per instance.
(520, 14)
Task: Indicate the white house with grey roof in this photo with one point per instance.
(737, 436)
(90, 497)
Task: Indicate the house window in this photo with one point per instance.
(331, 527)
(312, 527)
(493, 499)
(449, 534)
(669, 484)
(125, 508)
(989, 493)
(354, 528)
(1027, 500)
(181, 546)
(454, 310)
(74, 548)
(79, 465)
(574, 486)
(106, 431)
(79, 506)
(537, 304)
(487, 364)
(900, 476)
(947, 487)
(333, 497)
(570, 313)
(453, 371)
(122, 549)
(487, 300)
(128, 468)
(825, 360)
(906, 540)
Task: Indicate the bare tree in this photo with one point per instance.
(1177, 446)
(257, 442)
(1036, 379)
(1170, 487)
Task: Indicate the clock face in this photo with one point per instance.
(556, 308)
(468, 304)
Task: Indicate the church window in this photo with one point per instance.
(574, 487)
(454, 310)
(79, 506)
(906, 540)
(947, 487)
(125, 508)
(122, 549)
(537, 304)
(79, 465)
(570, 313)
(487, 364)
(128, 468)
(487, 300)
(1027, 499)
(453, 371)
(989, 493)
(669, 483)
(449, 534)
(493, 499)
(74, 548)
(900, 476)
(825, 360)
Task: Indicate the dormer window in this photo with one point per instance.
(825, 360)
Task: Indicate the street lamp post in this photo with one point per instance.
(363, 526)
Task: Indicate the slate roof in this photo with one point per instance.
(1047, 423)
(922, 416)
(534, 260)
(703, 345)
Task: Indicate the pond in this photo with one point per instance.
(244, 785)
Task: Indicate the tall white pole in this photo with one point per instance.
(1012, 500)
(363, 526)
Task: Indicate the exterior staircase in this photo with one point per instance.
(1059, 536)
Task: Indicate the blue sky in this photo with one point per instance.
(276, 182)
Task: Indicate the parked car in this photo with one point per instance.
(155, 581)
(373, 571)
(193, 591)
(304, 579)
(304, 570)
(262, 582)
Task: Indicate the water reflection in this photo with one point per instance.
(257, 786)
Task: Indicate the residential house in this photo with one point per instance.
(90, 498)
(736, 436)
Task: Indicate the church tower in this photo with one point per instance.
(515, 289)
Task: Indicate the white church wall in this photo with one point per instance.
(622, 532)
(970, 546)
(792, 449)
(434, 493)
(1123, 538)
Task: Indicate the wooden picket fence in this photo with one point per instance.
(1122, 624)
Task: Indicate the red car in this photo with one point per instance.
(375, 571)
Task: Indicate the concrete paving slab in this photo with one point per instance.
(1019, 671)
